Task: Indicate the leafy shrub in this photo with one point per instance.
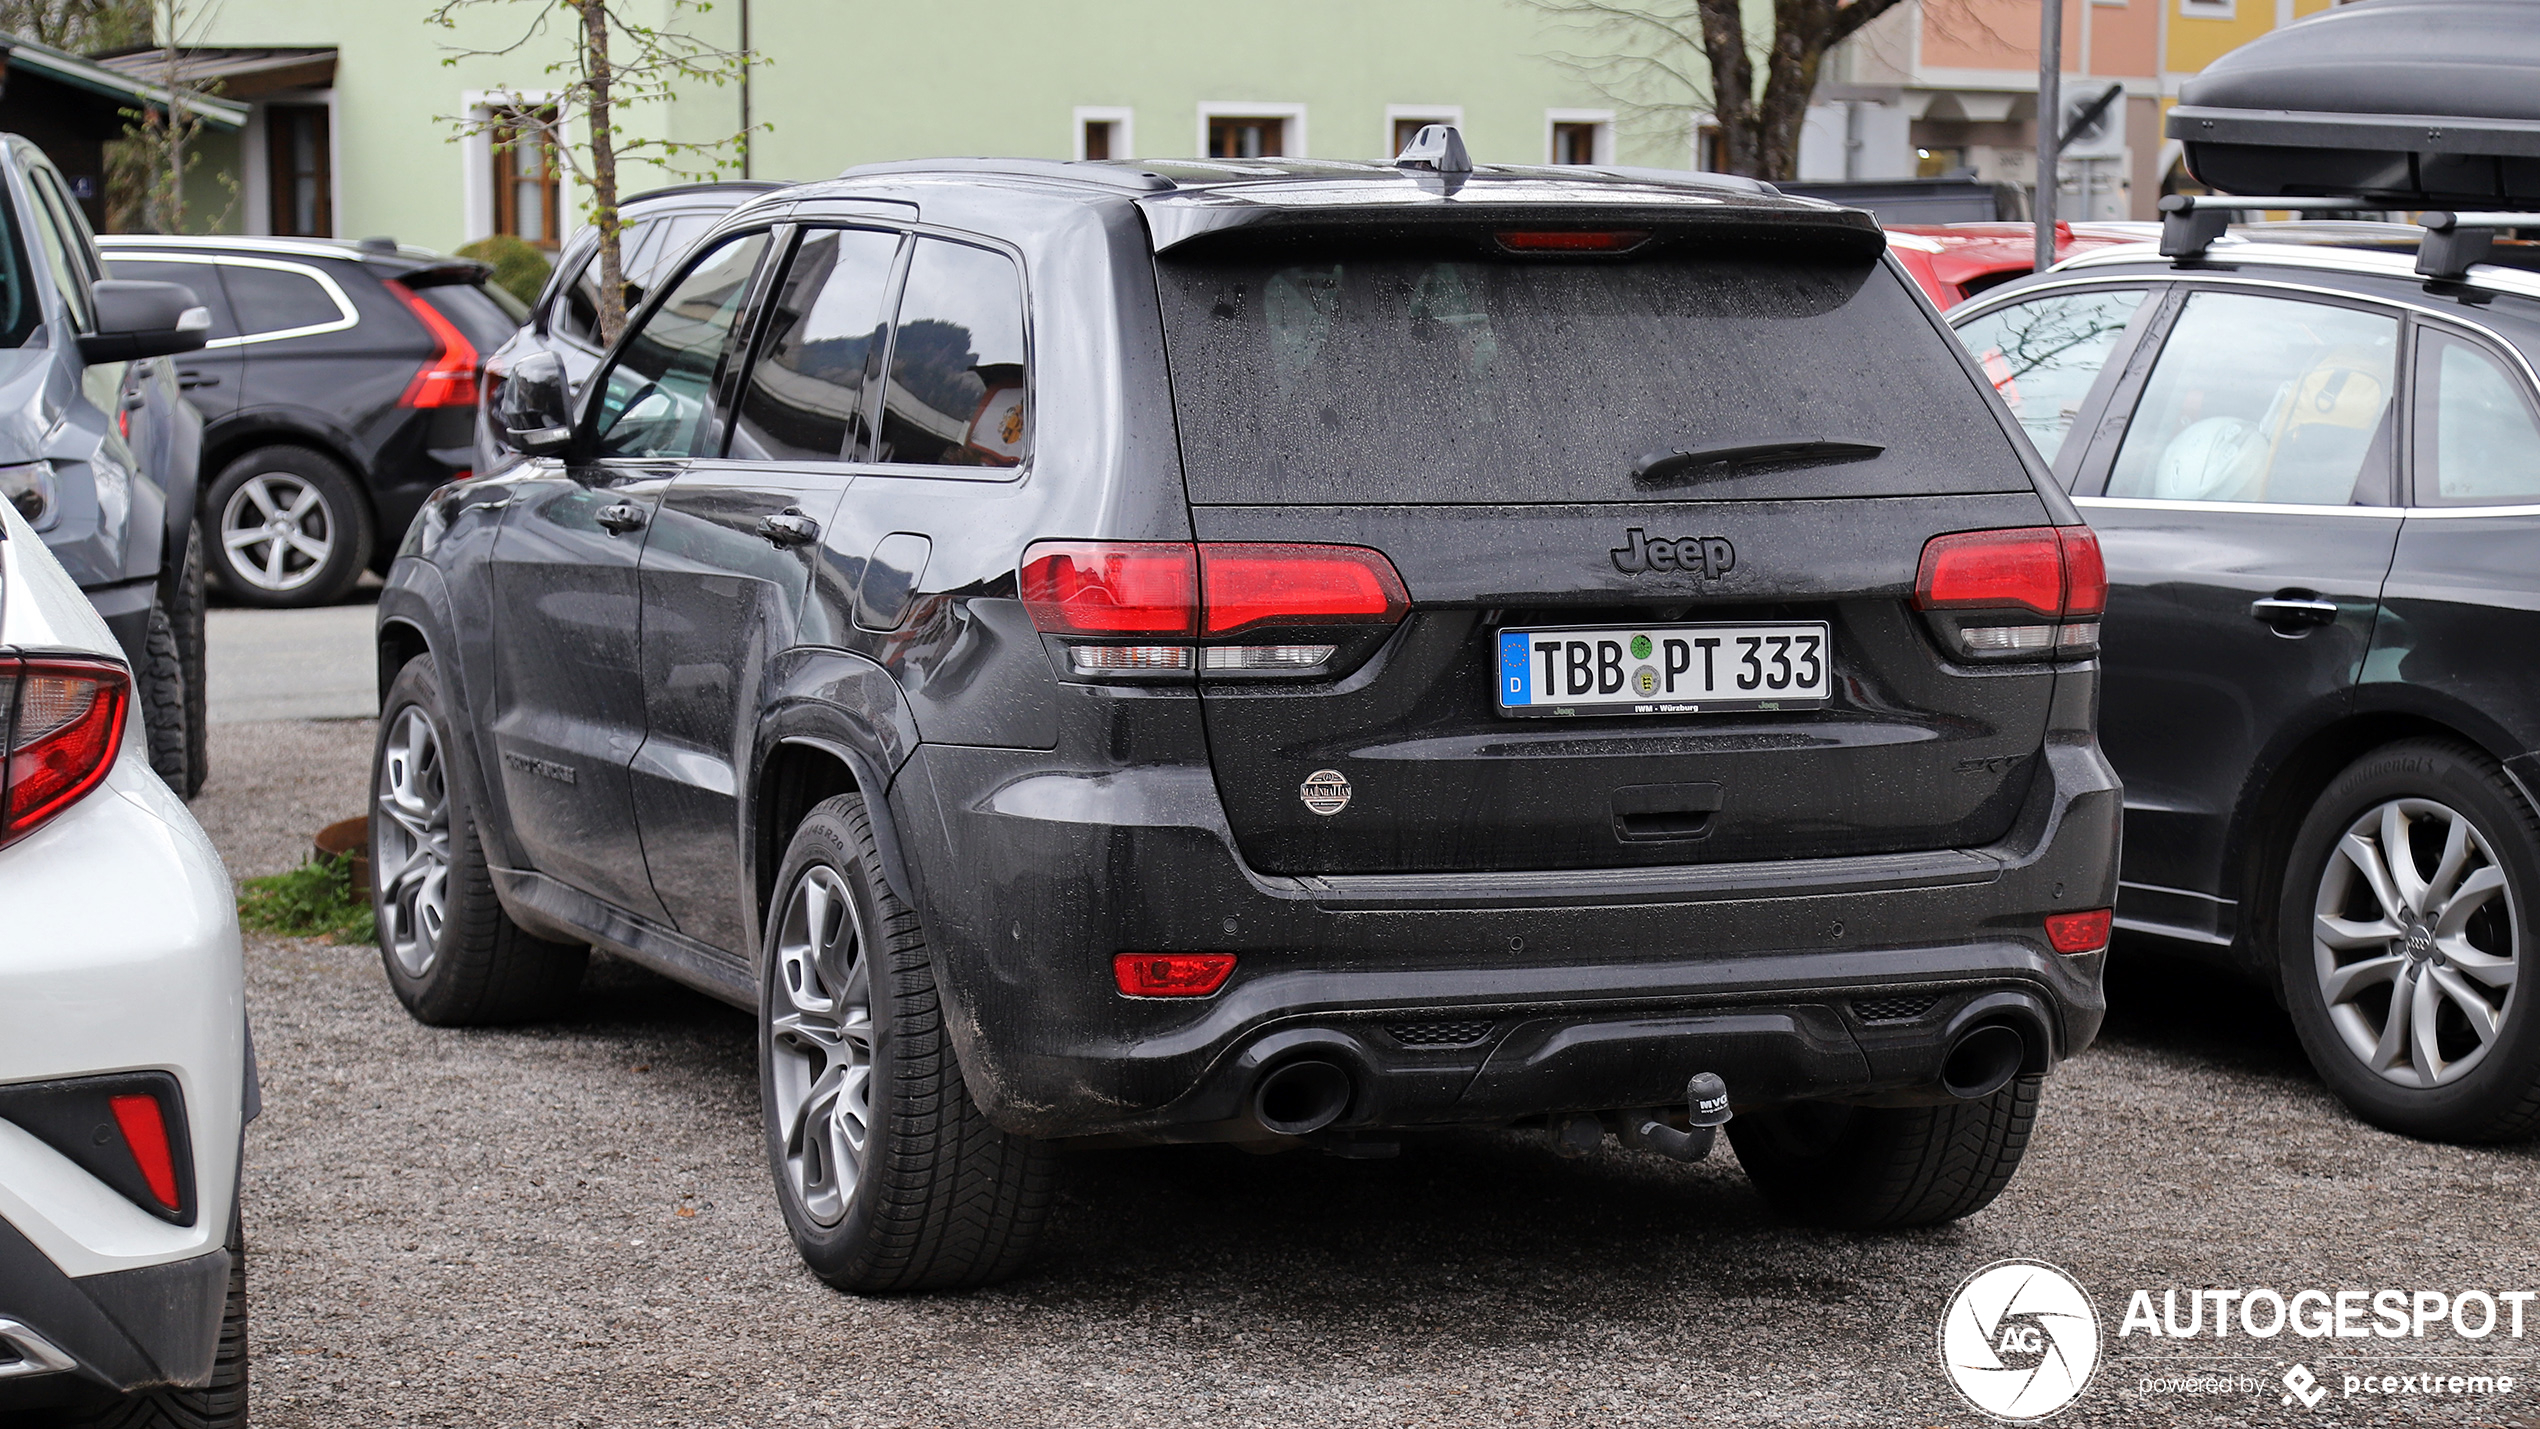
(520, 267)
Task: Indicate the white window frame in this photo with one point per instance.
(2209, 9)
(1425, 113)
(476, 162)
(345, 315)
(1124, 124)
(1294, 114)
(1603, 119)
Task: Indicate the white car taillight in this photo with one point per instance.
(61, 724)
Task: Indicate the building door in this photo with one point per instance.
(299, 171)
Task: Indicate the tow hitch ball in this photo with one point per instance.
(1706, 1106)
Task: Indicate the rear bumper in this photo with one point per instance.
(1592, 991)
(123, 1330)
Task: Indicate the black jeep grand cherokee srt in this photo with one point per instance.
(1277, 653)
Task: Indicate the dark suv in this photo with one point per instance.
(337, 390)
(1281, 653)
(2316, 473)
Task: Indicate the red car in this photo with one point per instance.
(1955, 261)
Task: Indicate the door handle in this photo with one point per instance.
(2292, 614)
(789, 528)
(187, 381)
(620, 518)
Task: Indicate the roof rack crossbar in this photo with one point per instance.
(2191, 222)
(2454, 241)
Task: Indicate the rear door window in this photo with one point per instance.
(2265, 399)
(958, 392)
(2477, 441)
(2043, 355)
(1443, 377)
(804, 399)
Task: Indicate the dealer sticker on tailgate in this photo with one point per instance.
(1664, 669)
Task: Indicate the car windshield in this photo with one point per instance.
(20, 310)
(1449, 377)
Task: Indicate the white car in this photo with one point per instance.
(126, 1078)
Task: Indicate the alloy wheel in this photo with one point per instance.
(2414, 937)
(277, 531)
(410, 832)
(820, 1044)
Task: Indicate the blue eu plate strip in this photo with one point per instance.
(1515, 685)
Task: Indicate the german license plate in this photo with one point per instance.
(1664, 669)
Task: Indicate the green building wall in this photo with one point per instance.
(848, 82)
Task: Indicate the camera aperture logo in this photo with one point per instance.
(2019, 1340)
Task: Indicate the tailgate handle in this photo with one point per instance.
(1656, 813)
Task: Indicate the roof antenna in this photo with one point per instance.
(1437, 148)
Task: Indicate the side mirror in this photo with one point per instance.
(137, 320)
(537, 406)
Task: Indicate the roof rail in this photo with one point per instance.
(2453, 241)
(2191, 222)
(1100, 173)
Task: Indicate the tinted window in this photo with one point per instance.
(2043, 355)
(278, 299)
(577, 309)
(658, 397)
(1450, 377)
(2263, 399)
(474, 311)
(20, 310)
(2475, 434)
(677, 232)
(53, 234)
(202, 278)
(806, 391)
(957, 395)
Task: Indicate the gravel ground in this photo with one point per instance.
(571, 1224)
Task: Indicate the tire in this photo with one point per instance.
(933, 1196)
(453, 956)
(286, 526)
(220, 1403)
(185, 618)
(1886, 1168)
(2453, 947)
(159, 684)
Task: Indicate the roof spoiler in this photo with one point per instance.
(2453, 241)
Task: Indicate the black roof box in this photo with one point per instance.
(2407, 103)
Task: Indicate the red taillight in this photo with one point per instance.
(1245, 584)
(1992, 569)
(1211, 588)
(1171, 974)
(448, 378)
(61, 723)
(145, 1130)
(2085, 932)
(1111, 587)
(2085, 573)
(1572, 240)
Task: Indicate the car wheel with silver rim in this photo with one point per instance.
(2402, 940)
(285, 526)
(453, 956)
(889, 1176)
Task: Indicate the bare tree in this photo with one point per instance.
(614, 63)
(146, 169)
(1675, 58)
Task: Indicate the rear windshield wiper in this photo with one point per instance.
(1660, 468)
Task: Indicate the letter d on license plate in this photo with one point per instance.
(1665, 669)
